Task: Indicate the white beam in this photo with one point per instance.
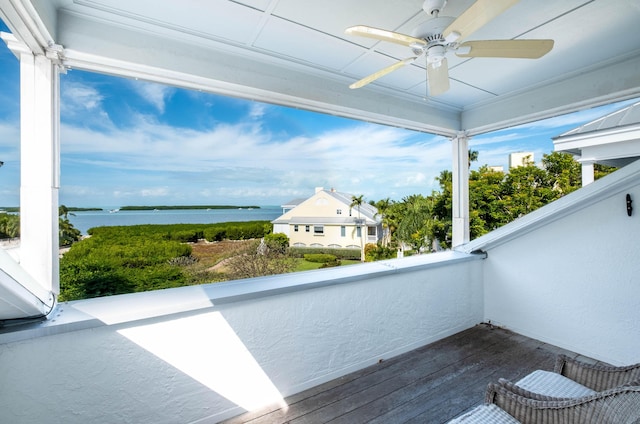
(39, 168)
(219, 69)
(599, 85)
(26, 23)
(587, 172)
(460, 190)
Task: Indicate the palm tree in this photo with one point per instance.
(416, 222)
(63, 211)
(473, 156)
(383, 206)
(67, 233)
(356, 201)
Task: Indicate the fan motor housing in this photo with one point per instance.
(432, 29)
(433, 7)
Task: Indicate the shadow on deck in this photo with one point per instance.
(431, 384)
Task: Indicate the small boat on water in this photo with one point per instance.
(114, 210)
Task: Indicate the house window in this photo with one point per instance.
(358, 231)
(339, 212)
(295, 228)
(343, 231)
(318, 229)
(306, 228)
(371, 231)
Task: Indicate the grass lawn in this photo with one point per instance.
(304, 265)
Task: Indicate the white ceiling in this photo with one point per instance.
(295, 52)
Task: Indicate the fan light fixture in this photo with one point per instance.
(440, 35)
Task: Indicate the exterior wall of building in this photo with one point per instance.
(520, 159)
(574, 282)
(324, 210)
(281, 228)
(331, 235)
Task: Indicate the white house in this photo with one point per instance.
(613, 140)
(326, 219)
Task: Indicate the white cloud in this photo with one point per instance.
(241, 160)
(257, 110)
(154, 192)
(154, 94)
(248, 162)
(80, 97)
(10, 135)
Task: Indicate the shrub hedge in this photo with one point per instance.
(349, 254)
(322, 258)
(126, 259)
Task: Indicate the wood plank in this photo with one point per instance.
(411, 383)
(333, 391)
(431, 384)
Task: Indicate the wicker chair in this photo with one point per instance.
(597, 377)
(576, 392)
(620, 405)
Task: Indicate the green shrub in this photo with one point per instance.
(186, 236)
(126, 259)
(376, 252)
(278, 242)
(320, 257)
(237, 230)
(350, 254)
(215, 234)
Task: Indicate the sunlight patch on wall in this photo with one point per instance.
(206, 348)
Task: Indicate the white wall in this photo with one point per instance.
(205, 364)
(574, 281)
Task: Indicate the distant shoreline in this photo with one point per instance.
(14, 209)
(163, 208)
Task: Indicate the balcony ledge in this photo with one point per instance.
(112, 310)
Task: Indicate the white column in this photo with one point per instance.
(39, 168)
(460, 190)
(587, 172)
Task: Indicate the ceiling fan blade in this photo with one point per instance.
(523, 49)
(480, 13)
(384, 35)
(438, 77)
(382, 72)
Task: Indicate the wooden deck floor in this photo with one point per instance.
(431, 384)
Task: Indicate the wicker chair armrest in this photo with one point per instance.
(597, 377)
(616, 406)
(517, 390)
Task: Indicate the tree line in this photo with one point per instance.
(68, 234)
(495, 198)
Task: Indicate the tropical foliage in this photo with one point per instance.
(9, 226)
(495, 198)
(126, 259)
(68, 234)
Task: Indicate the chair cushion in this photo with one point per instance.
(552, 384)
(485, 414)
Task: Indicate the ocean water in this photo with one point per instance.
(83, 220)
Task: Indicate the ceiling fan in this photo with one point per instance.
(440, 35)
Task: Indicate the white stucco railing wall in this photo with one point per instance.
(569, 273)
(204, 353)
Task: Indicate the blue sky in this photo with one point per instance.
(128, 142)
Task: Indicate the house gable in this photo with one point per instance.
(326, 219)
